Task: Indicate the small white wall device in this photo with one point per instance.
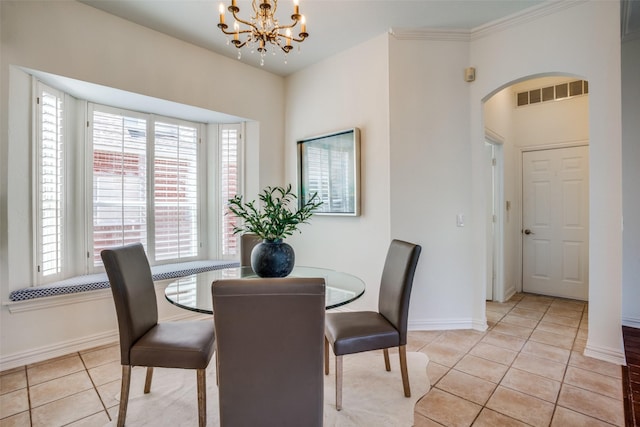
(469, 74)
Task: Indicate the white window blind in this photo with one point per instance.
(119, 181)
(330, 174)
(50, 156)
(175, 191)
(229, 185)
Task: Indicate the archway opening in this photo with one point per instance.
(538, 122)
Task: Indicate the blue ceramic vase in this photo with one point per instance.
(272, 258)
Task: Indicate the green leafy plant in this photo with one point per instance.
(274, 220)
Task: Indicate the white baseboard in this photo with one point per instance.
(508, 293)
(60, 349)
(71, 346)
(447, 324)
(632, 322)
(608, 354)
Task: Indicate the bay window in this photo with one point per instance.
(147, 179)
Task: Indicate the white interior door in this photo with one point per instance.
(555, 222)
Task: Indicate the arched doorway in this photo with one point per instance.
(541, 121)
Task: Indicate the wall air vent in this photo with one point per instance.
(551, 93)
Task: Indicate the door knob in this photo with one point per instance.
(527, 232)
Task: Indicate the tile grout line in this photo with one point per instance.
(26, 377)
(95, 388)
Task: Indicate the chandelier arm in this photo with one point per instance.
(300, 40)
(230, 33)
(291, 26)
(293, 39)
(242, 21)
(285, 48)
(237, 43)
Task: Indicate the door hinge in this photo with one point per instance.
(493, 161)
(37, 100)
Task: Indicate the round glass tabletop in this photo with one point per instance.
(194, 292)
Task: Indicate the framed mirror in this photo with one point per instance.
(330, 166)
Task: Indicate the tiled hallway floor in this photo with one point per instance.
(526, 369)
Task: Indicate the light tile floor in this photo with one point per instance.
(526, 369)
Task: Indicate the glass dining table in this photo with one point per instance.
(194, 292)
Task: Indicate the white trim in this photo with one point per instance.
(632, 322)
(71, 346)
(447, 324)
(56, 301)
(430, 34)
(531, 14)
(607, 354)
(493, 136)
(554, 145)
(56, 350)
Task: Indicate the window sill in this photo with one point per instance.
(95, 286)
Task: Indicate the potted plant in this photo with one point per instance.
(273, 221)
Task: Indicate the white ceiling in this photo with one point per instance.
(333, 25)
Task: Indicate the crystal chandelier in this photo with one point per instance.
(263, 31)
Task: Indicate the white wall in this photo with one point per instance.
(348, 90)
(630, 180)
(77, 41)
(585, 37)
(431, 177)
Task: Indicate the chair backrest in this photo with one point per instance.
(270, 341)
(133, 293)
(396, 283)
(247, 242)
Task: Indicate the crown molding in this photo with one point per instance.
(544, 9)
(430, 34)
(531, 14)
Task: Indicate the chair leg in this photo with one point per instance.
(326, 356)
(124, 394)
(202, 398)
(338, 383)
(217, 370)
(147, 380)
(402, 351)
(387, 363)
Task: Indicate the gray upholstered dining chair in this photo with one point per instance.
(359, 331)
(144, 341)
(248, 241)
(269, 339)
